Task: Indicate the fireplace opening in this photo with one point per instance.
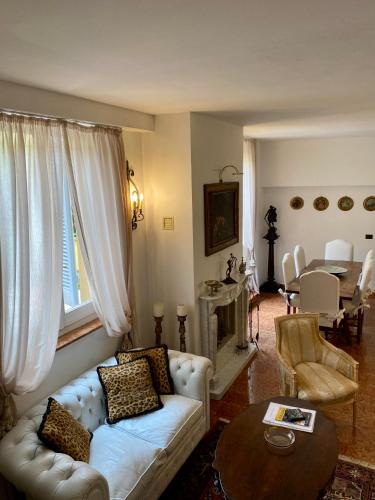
(225, 324)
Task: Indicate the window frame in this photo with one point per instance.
(78, 316)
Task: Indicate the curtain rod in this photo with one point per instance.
(82, 123)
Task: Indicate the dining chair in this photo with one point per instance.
(369, 255)
(338, 250)
(289, 273)
(320, 293)
(355, 308)
(299, 259)
(310, 368)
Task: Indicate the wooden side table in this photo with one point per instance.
(248, 470)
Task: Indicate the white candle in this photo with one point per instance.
(158, 309)
(181, 310)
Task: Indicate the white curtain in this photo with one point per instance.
(31, 157)
(98, 186)
(249, 207)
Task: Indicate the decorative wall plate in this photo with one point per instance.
(345, 203)
(321, 203)
(369, 203)
(296, 203)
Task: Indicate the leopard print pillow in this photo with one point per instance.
(61, 432)
(159, 363)
(128, 390)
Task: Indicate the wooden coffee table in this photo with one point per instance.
(248, 470)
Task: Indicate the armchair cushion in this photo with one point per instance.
(322, 384)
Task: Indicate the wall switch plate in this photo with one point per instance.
(369, 236)
(168, 223)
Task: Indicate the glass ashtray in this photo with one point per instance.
(279, 440)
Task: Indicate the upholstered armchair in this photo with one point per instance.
(310, 367)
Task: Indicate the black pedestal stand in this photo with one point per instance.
(270, 286)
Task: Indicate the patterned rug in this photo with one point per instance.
(196, 480)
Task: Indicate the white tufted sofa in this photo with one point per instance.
(133, 459)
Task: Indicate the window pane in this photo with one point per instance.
(75, 286)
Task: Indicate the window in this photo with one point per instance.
(77, 307)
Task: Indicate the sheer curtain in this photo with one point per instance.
(98, 186)
(31, 157)
(249, 207)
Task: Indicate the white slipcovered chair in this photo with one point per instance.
(338, 250)
(354, 309)
(310, 367)
(320, 293)
(299, 259)
(369, 255)
(289, 273)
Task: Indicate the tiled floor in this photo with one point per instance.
(259, 381)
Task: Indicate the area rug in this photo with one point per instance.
(197, 480)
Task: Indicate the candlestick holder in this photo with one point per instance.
(158, 329)
(182, 330)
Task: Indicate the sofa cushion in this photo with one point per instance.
(169, 425)
(128, 389)
(159, 362)
(128, 463)
(61, 432)
(322, 384)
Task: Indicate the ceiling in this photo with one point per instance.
(281, 68)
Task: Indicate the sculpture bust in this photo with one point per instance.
(271, 216)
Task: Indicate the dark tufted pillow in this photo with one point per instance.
(128, 390)
(61, 432)
(159, 363)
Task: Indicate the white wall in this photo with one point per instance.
(33, 100)
(185, 152)
(341, 161)
(331, 167)
(214, 144)
(168, 192)
(69, 362)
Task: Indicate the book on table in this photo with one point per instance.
(299, 419)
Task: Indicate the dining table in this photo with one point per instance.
(348, 279)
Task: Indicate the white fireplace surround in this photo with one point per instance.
(233, 355)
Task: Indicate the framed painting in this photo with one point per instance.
(221, 215)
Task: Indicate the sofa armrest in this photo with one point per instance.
(191, 376)
(41, 473)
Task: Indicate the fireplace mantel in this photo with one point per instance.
(230, 359)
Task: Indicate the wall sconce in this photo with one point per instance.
(136, 198)
(221, 171)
